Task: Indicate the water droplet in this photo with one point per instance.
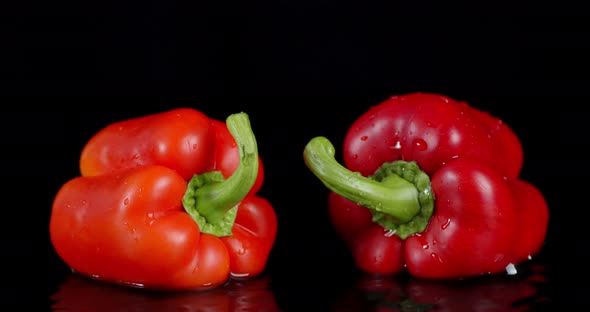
(364, 138)
(135, 285)
(511, 269)
(422, 241)
(396, 146)
(355, 156)
(239, 275)
(389, 233)
(445, 225)
(195, 146)
(420, 144)
(126, 201)
(436, 257)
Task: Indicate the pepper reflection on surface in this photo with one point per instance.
(82, 294)
(490, 294)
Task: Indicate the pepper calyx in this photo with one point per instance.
(409, 171)
(210, 199)
(398, 195)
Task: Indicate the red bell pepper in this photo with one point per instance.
(431, 185)
(132, 217)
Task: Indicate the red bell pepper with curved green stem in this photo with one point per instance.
(145, 226)
(431, 186)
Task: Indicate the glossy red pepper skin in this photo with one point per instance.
(137, 221)
(484, 220)
(475, 228)
(130, 228)
(183, 139)
(430, 129)
(253, 236)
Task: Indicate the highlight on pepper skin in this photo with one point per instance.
(430, 186)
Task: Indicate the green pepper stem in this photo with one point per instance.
(212, 200)
(398, 195)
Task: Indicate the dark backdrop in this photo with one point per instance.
(299, 69)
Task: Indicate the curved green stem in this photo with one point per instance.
(212, 200)
(398, 194)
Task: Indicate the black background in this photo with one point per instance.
(299, 69)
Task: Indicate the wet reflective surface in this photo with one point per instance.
(527, 291)
(493, 293)
(78, 293)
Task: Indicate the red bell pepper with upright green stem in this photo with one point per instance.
(430, 185)
(145, 226)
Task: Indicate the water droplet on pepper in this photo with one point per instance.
(420, 144)
(446, 224)
(436, 257)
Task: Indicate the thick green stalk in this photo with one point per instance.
(398, 194)
(212, 200)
